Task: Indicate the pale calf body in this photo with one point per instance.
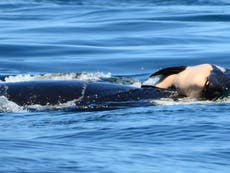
(191, 81)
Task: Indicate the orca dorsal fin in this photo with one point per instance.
(168, 71)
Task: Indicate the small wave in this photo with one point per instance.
(136, 2)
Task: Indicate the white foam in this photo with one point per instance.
(58, 76)
(136, 84)
(60, 106)
(181, 101)
(189, 101)
(94, 76)
(9, 106)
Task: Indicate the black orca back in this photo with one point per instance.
(169, 71)
(84, 93)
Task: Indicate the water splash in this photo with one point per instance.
(9, 106)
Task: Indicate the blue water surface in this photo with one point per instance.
(125, 38)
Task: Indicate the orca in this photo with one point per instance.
(200, 81)
(53, 92)
(203, 81)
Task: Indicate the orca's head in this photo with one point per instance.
(217, 84)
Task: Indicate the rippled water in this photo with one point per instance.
(122, 41)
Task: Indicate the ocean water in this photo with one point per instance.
(121, 41)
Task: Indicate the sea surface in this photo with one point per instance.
(121, 41)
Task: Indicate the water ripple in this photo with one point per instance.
(48, 39)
